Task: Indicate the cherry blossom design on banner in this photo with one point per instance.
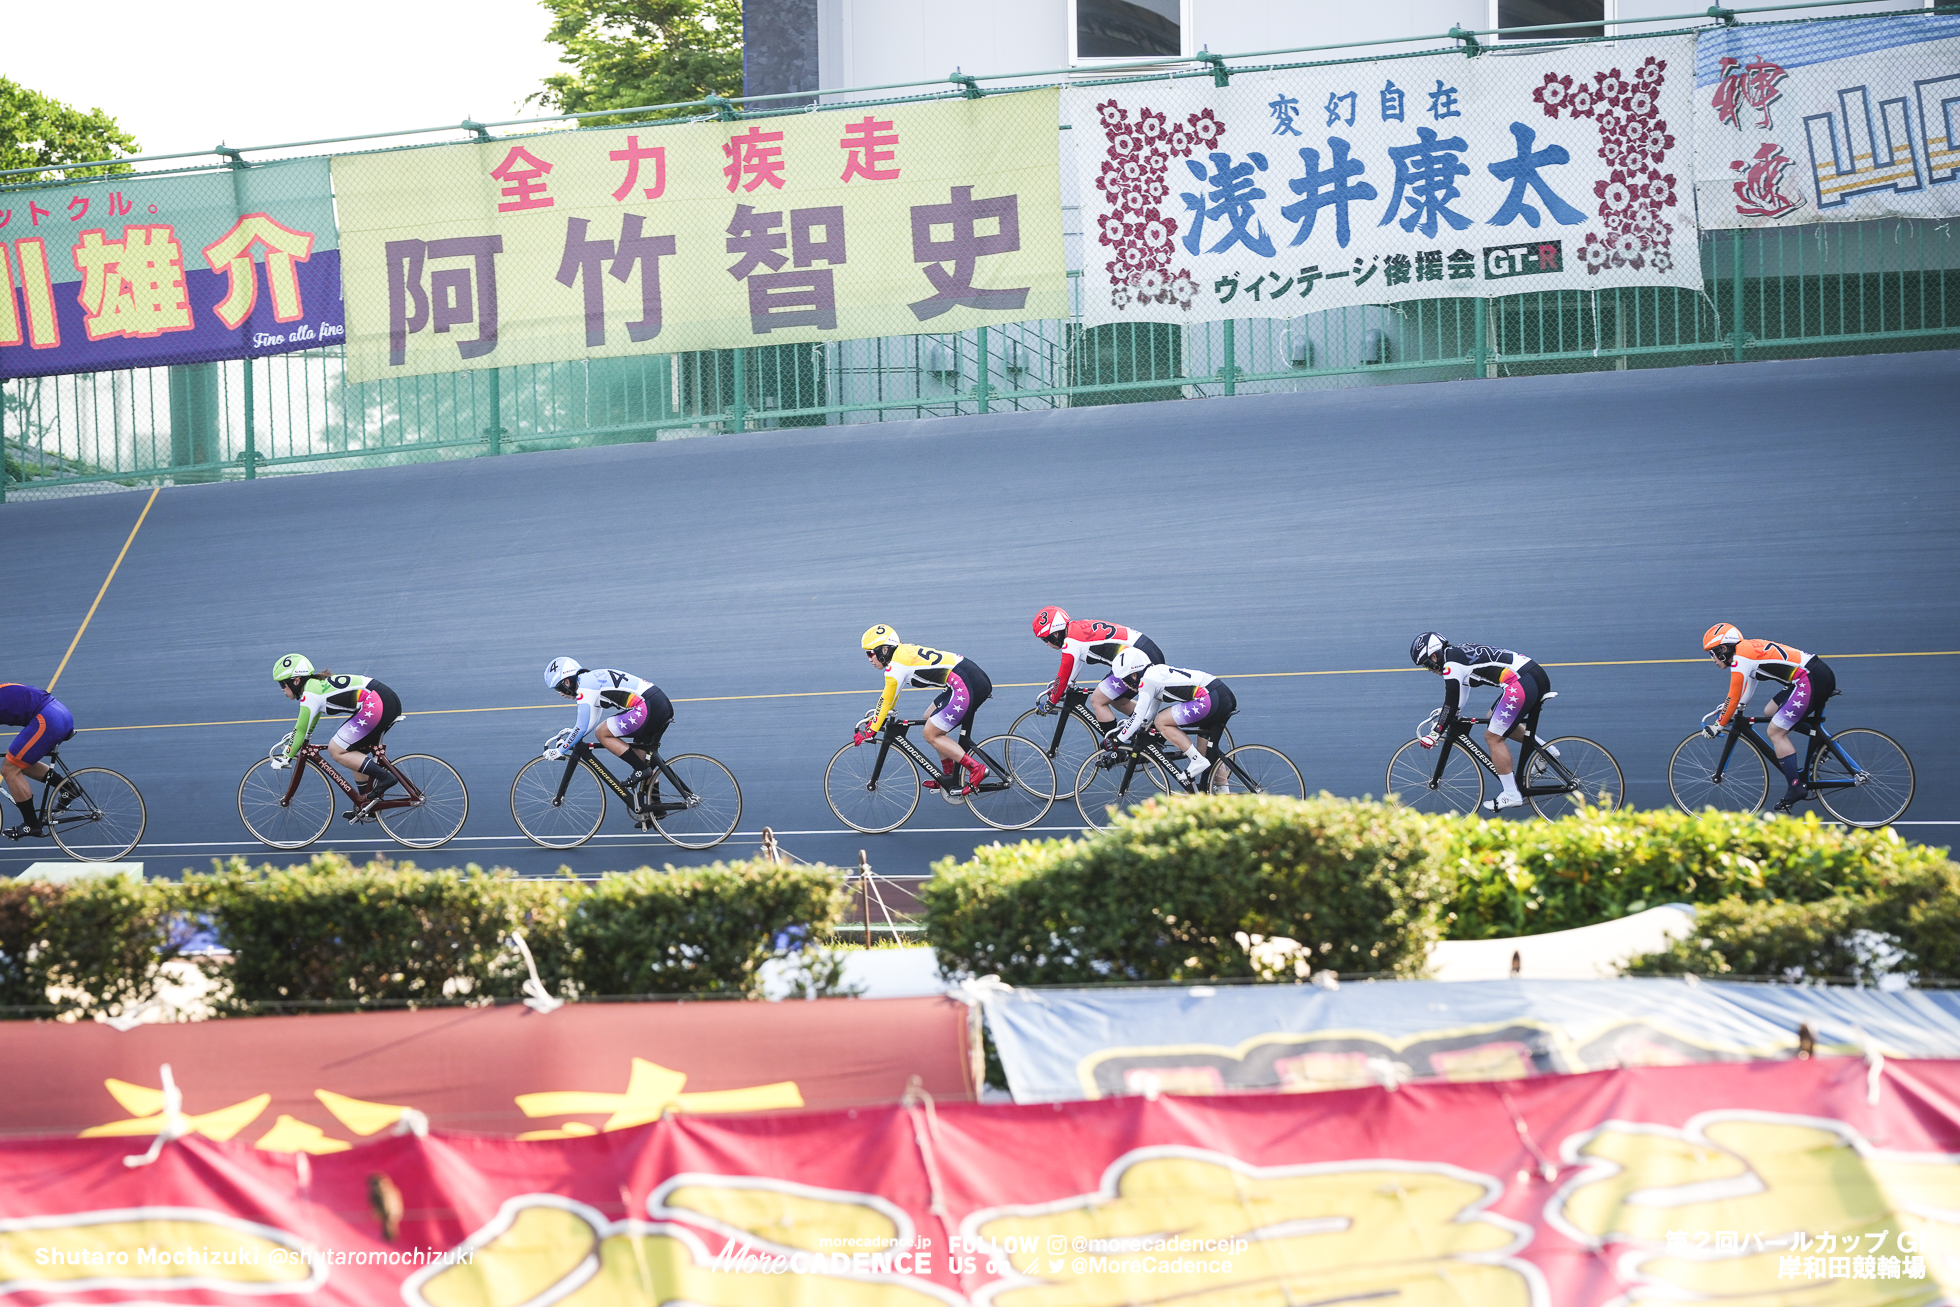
(1134, 179)
(1634, 141)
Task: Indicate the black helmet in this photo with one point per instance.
(1426, 650)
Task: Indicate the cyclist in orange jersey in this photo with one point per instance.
(1806, 680)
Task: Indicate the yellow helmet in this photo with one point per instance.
(879, 636)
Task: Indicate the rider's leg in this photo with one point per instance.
(1111, 698)
(1791, 707)
(20, 791)
(50, 726)
(1201, 706)
(1507, 718)
(352, 745)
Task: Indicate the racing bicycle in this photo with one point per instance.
(1069, 749)
(423, 810)
(875, 790)
(1124, 775)
(691, 799)
(94, 814)
(1862, 777)
(1558, 776)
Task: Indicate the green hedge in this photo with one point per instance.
(1526, 878)
(387, 934)
(1166, 890)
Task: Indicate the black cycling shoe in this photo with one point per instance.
(23, 830)
(639, 777)
(379, 783)
(1791, 798)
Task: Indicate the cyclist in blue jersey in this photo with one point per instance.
(44, 722)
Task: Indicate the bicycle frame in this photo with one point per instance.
(583, 753)
(53, 781)
(1460, 736)
(1743, 728)
(1159, 749)
(310, 755)
(1075, 703)
(897, 735)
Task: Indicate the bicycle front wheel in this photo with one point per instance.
(1020, 784)
(1078, 743)
(868, 806)
(714, 801)
(1880, 776)
(1459, 789)
(284, 811)
(1101, 791)
(549, 821)
(96, 815)
(1595, 777)
(1256, 769)
(438, 815)
(1743, 785)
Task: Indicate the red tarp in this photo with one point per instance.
(1814, 1182)
(322, 1082)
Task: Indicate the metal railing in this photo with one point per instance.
(1774, 293)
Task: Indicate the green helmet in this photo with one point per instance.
(290, 666)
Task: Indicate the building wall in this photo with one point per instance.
(779, 46)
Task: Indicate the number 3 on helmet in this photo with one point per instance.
(1051, 625)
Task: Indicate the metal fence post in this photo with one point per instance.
(739, 415)
(495, 431)
(1480, 350)
(1735, 252)
(980, 387)
(251, 427)
(1230, 372)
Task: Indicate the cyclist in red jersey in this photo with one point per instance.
(1085, 643)
(1806, 680)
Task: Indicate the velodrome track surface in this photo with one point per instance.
(1605, 518)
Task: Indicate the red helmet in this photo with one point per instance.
(1051, 624)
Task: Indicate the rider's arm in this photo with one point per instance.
(1739, 690)
(1146, 702)
(588, 695)
(1452, 698)
(889, 699)
(311, 704)
(1060, 686)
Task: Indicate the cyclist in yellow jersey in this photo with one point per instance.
(963, 688)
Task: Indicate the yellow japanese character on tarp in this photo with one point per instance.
(1760, 1209)
(789, 1245)
(152, 1249)
(147, 1116)
(134, 286)
(1200, 1229)
(231, 254)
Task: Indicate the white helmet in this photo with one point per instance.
(1131, 662)
(558, 669)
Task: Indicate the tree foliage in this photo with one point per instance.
(37, 131)
(630, 53)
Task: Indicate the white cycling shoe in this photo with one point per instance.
(1506, 799)
(1196, 767)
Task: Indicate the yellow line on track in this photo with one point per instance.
(1006, 685)
(105, 588)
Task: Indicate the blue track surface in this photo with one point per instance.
(1601, 517)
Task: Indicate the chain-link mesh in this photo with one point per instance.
(1771, 291)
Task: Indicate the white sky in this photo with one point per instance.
(183, 76)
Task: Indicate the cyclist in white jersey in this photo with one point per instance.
(626, 715)
(1522, 685)
(1192, 699)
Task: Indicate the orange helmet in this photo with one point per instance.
(1051, 625)
(1719, 634)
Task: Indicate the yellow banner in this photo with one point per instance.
(880, 221)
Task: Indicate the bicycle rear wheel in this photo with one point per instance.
(1881, 770)
(1120, 786)
(436, 818)
(96, 815)
(1459, 789)
(714, 801)
(1591, 768)
(1078, 742)
(547, 820)
(266, 812)
(1020, 784)
(1259, 770)
(848, 789)
(1742, 787)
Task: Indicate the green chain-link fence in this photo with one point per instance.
(1784, 292)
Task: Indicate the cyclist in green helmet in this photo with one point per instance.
(369, 706)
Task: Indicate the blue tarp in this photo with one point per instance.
(1093, 1043)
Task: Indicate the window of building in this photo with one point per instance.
(1126, 29)
(1538, 13)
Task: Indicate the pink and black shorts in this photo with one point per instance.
(377, 709)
